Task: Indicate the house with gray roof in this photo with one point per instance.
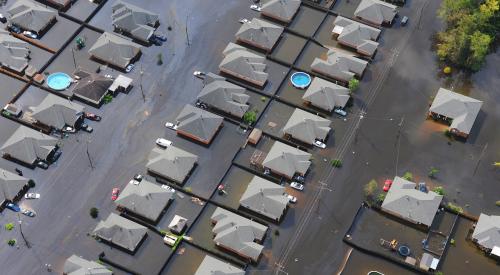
(265, 198)
(244, 64)
(57, 112)
(146, 199)
(487, 234)
(356, 35)
(213, 266)
(376, 12)
(76, 265)
(260, 34)
(62, 5)
(134, 21)
(91, 87)
(286, 160)
(29, 146)
(281, 10)
(14, 53)
(461, 110)
(340, 66)
(31, 16)
(171, 163)
(326, 95)
(115, 50)
(408, 203)
(306, 127)
(11, 186)
(238, 234)
(224, 96)
(121, 232)
(198, 124)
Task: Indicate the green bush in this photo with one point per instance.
(189, 189)
(408, 176)
(107, 99)
(250, 117)
(455, 208)
(353, 84)
(263, 98)
(370, 189)
(381, 198)
(497, 203)
(439, 190)
(9, 226)
(94, 212)
(12, 242)
(336, 163)
(433, 172)
(163, 232)
(452, 242)
(31, 183)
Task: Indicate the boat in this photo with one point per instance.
(375, 273)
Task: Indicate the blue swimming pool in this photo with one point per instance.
(59, 81)
(300, 80)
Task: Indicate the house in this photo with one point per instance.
(356, 35)
(146, 199)
(223, 95)
(461, 110)
(29, 146)
(115, 50)
(326, 95)
(14, 53)
(265, 198)
(171, 163)
(286, 160)
(212, 266)
(62, 5)
(121, 232)
(76, 265)
(487, 234)
(121, 84)
(57, 112)
(91, 87)
(12, 186)
(376, 12)
(134, 21)
(238, 234)
(281, 10)
(244, 64)
(408, 203)
(31, 16)
(340, 66)
(306, 127)
(198, 124)
(428, 262)
(260, 34)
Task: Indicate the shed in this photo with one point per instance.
(255, 136)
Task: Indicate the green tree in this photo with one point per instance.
(408, 176)
(439, 190)
(370, 189)
(250, 117)
(94, 212)
(9, 226)
(479, 48)
(353, 84)
(433, 172)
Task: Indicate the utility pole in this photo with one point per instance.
(88, 155)
(28, 245)
(141, 72)
(187, 34)
(73, 54)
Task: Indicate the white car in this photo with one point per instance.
(199, 74)
(297, 186)
(129, 68)
(32, 196)
(243, 20)
(30, 34)
(340, 112)
(163, 142)
(170, 125)
(291, 198)
(68, 129)
(168, 188)
(319, 144)
(136, 180)
(256, 7)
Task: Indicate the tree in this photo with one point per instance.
(31, 183)
(432, 172)
(370, 189)
(9, 226)
(250, 117)
(439, 190)
(479, 47)
(353, 84)
(94, 212)
(408, 176)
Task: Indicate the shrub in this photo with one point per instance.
(497, 203)
(189, 189)
(263, 98)
(160, 59)
(370, 189)
(381, 198)
(408, 176)
(455, 208)
(452, 242)
(31, 183)
(94, 212)
(439, 190)
(107, 99)
(12, 242)
(353, 84)
(9, 226)
(336, 163)
(432, 172)
(447, 70)
(163, 232)
(250, 117)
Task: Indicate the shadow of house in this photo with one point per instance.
(134, 21)
(281, 10)
(31, 16)
(76, 265)
(198, 125)
(172, 163)
(12, 187)
(115, 51)
(57, 113)
(14, 53)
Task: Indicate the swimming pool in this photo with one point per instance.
(58, 81)
(300, 80)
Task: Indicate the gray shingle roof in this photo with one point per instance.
(28, 145)
(134, 20)
(259, 33)
(91, 87)
(357, 35)
(198, 123)
(237, 233)
(265, 197)
(145, 199)
(326, 95)
(10, 185)
(213, 266)
(487, 231)
(375, 11)
(224, 95)
(115, 49)
(242, 63)
(287, 160)
(121, 232)
(57, 112)
(307, 127)
(283, 10)
(462, 109)
(411, 204)
(339, 66)
(30, 15)
(172, 163)
(76, 265)
(13, 52)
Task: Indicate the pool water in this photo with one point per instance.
(59, 81)
(300, 80)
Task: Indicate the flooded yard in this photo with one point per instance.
(235, 184)
(59, 33)
(275, 118)
(289, 48)
(346, 8)
(311, 52)
(81, 10)
(307, 20)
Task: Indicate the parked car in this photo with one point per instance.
(19, 172)
(114, 194)
(170, 125)
(297, 186)
(319, 144)
(42, 164)
(30, 34)
(156, 41)
(3, 19)
(68, 129)
(291, 198)
(340, 112)
(199, 74)
(201, 105)
(168, 188)
(256, 7)
(162, 37)
(29, 213)
(243, 20)
(129, 68)
(299, 178)
(87, 128)
(387, 185)
(91, 116)
(13, 207)
(13, 29)
(31, 196)
(136, 180)
(163, 142)
(170, 239)
(404, 20)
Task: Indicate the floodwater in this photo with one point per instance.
(235, 183)
(275, 118)
(289, 48)
(81, 9)
(346, 8)
(185, 261)
(360, 264)
(307, 20)
(311, 52)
